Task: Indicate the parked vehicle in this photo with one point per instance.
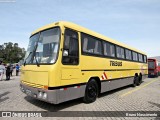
(153, 68)
(65, 61)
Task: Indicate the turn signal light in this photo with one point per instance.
(45, 87)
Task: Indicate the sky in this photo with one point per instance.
(133, 22)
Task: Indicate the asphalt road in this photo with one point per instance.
(145, 97)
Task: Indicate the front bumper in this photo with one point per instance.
(56, 96)
(33, 92)
(153, 74)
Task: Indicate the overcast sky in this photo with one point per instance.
(133, 22)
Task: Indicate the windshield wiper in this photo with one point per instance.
(26, 59)
(36, 61)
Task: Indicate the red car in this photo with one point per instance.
(153, 68)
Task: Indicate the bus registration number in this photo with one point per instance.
(28, 92)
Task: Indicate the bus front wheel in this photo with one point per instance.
(91, 91)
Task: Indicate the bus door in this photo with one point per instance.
(70, 58)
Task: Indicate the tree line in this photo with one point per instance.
(11, 52)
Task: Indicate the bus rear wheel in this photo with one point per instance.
(139, 80)
(91, 91)
(135, 81)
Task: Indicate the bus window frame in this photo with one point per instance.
(66, 28)
(137, 56)
(106, 42)
(131, 54)
(60, 34)
(119, 58)
(105, 56)
(91, 54)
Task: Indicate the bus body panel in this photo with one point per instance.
(91, 66)
(36, 77)
(65, 82)
(115, 76)
(31, 74)
(55, 96)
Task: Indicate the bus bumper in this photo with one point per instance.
(53, 96)
(38, 93)
(152, 74)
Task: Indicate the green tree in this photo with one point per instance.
(11, 52)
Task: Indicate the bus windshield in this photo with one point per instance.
(151, 65)
(43, 47)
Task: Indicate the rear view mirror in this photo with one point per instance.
(65, 52)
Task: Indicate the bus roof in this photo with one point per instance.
(84, 30)
(152, 59)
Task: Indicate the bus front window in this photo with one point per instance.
(151, 65)
(43, 47)
(31, 47)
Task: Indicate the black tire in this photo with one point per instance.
(91, 91)
(139, 80)
(135, 81)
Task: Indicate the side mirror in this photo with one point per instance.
(65, 52)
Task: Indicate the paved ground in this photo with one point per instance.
(142, 98)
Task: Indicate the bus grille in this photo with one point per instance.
(32, 84)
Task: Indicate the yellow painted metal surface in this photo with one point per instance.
(58, 74)
(85, 30)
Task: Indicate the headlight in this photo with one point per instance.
(40, 94)
(45, 96)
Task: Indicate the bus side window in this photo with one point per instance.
(112, 49)
(85, 44)
(145, 59)
(135, 56)
(109, 49)
(128, 54)
(91, 45)
(70, 48)
(140, 58)
(98, 46)
(120, 52)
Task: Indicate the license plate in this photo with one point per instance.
(28, 92)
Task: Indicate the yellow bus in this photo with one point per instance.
(65, 61)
